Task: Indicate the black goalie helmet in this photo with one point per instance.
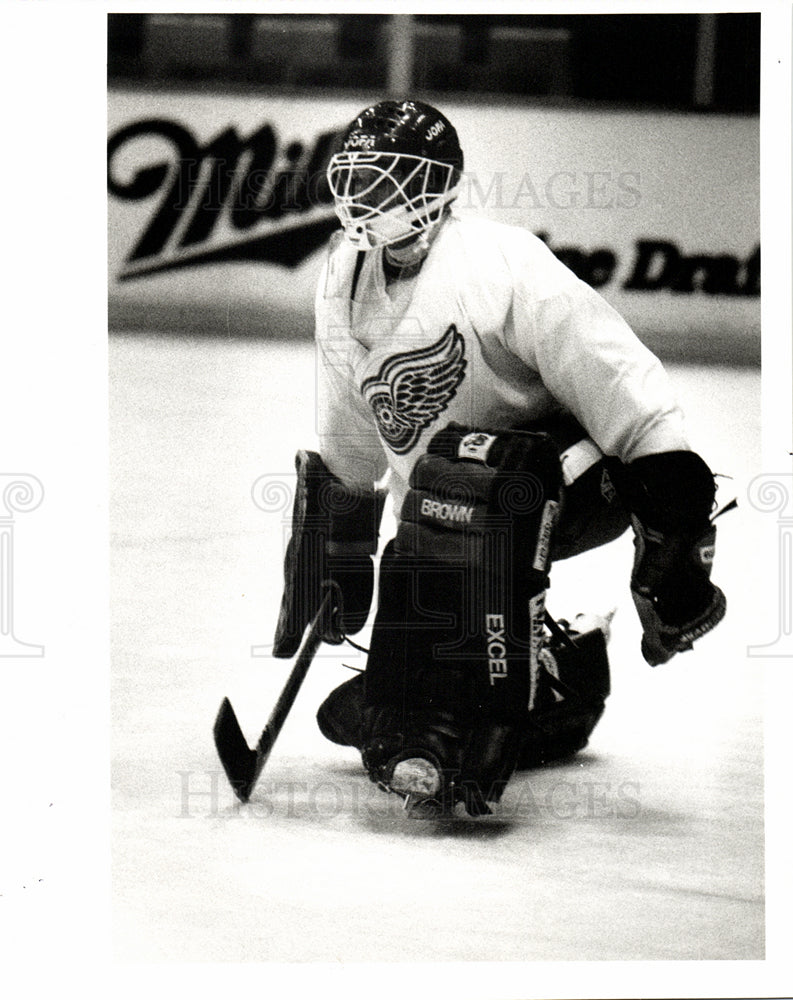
(398, 169)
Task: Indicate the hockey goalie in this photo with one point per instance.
(517, 420)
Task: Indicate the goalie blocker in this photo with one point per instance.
(334, 537)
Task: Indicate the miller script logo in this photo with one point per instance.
(232, 199)
(413, 387)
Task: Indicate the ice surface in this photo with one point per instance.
(649, 845)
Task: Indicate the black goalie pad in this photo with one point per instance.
(567, 701)
(461, 606)
(569, 696)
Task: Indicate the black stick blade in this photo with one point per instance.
(241, 764)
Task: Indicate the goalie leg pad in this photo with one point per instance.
(568, 700)
(461, 610)
(470, 764)
(573, 683)
(340, 715)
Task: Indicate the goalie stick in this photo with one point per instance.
(241, 764)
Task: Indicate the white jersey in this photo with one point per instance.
(492, 333)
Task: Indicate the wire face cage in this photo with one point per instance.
(382, 198)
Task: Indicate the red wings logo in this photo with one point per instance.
(413, 388)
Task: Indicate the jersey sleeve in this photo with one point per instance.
(348, 439)
(593, 363)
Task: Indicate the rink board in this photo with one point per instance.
(218, 212)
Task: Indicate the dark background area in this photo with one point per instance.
(673, 61)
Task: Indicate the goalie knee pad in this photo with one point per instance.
(461, 607)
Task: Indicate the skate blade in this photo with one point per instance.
(420, 808)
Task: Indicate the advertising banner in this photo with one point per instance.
(219, 212)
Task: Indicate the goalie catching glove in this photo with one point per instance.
(671, 497)
(334, 536)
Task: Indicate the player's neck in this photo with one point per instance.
(401, 262)
(397, 271)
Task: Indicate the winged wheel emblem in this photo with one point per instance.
(412, 388)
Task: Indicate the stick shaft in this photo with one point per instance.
(294, 681)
